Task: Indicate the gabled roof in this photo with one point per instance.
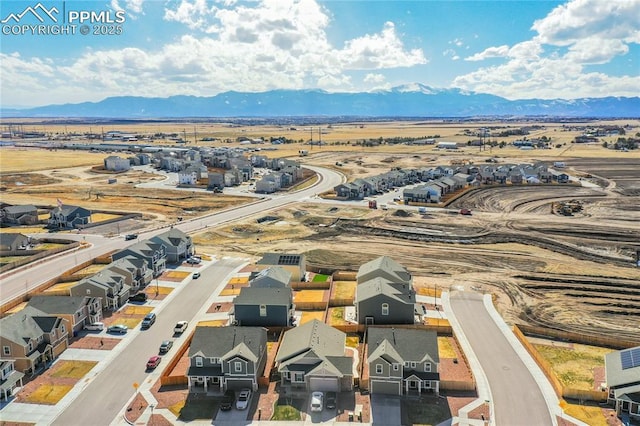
(67, 210)
(263, 296)
(22, 326)
(408, 344)
(7, 239)
(315, 336)
(173, 237)
(281, 259)
(274, 276)
(616, 374)
(400, 292)
(388, 266)
(386, 351)
(222, 342)
(27, 208)
(58, 304)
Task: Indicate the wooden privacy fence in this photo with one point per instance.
(558, 387)
(585, 339)
(458, 385)
(166, 379)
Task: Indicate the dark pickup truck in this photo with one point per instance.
(227, 400)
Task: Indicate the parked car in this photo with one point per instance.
(153, 362)
(196, 275)
(243, 399)
(316, 401)
(129, 237)
(94, 326)
(148, 320)
(193, 260)
(227, 400)
(330, 401)
(165, 346)
(118, 328)
(180, 327)
(138, 297)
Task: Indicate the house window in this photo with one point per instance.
(6, 350)
(396, 367)
(406, 364)
(215, 360)
(63, 329)
(378, 368)
(199, 362)
(427, 366)
(385, 309)
(30, 347)
(237, 366)
(298, 377)
(413, 365)
(263, 310)
(286, 375)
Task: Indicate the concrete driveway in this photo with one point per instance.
(385, 410)
(232, 417)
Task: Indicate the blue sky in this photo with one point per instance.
(514, 49)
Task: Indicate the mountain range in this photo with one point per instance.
(412, 100)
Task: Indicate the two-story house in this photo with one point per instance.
(379, 301)
(77, 310)
(178, 245)
(224, 358)
(107, 285)
(10, 378)
(13, 241)
(312, 357)
(20, 215)
(263, 306)
(384, 267)
(402, 361)
(65, 216)
(155, 254)
(622, 370)
(32, 339)
(272, 277)
(296, 264)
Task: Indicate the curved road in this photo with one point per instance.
(16, 283)
(517, 398)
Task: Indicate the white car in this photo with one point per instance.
(180, 327)
(317, 401)
(94, 326)
(243, 399)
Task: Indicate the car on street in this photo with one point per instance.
(130, 237)
(317, 401)
(165, 346)
(196, 275)
(193, 260)
(330, 400)
(138, 297)
(148, 320)
(118, 329)
(227, 400)
(153, 362)
(94, 326)
(180, 327)
(243, 399)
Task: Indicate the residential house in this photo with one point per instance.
(402, 361)
(178, 245)
(10, 378)
(222, 358)
(383, 267)
(263, 306)
(296, 264)
(350, 191)
(77, 310)
(189, 176)
(312, 357)
(216, 180)
(13, 241)
(32, 339)
(155, 254)
(622, 372)
(269, 183)
(135, 268)
(421, 194)
(65, 216)
(516, 176)
(272, 277)
(379, 301)
(114, 163)
(20, 215)
(107, 285)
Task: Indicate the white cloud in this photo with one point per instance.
(374, 78)
(552, 63)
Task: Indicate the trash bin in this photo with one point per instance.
(350, 416)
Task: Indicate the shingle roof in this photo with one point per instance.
(409, 344)
(386, 265)
(616, 375)
(218, 342)
(22, 326)
(27, 208)
(264, 296)
(57, 304)
(401, 292)
(280, 259)
(314, 335)
(274, 276)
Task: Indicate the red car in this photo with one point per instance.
(153, 362)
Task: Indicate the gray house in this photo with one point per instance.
(13, 241)
(402, 361)
(296, 264)
(78, 310)
(20, 215)
(134, 267)
(379, 301)
(622, 369)
(263, 306)
(10, 378)
(224, 358)
(383, 267)
(65, 216)
(272, 277)
(155, 254)
(106, 285)
(178, 245)
(312, 358)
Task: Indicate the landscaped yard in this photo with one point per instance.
(320, 278)
(72, 369)
(353, 340)
(196, 407)
(309, 296)
(151, 290)
(573, 365)
(283, 411)
(136, 310)
(175, 275)
(48, 394)
(344, 290)
(336, 316)
(425, 411)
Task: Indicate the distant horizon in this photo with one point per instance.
(546, 49)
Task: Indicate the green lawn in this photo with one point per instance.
(320, 278)
(425, 411)
(286, 410)
(197, 408)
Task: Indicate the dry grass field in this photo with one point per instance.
(343, 290)
(72, 369)
(445, 348)
(310, 316)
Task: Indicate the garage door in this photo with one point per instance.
(238, 384)
(324, 384)
(387, 388)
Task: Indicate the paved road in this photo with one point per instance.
(16, 283)
(102, 400)
(517, 398)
